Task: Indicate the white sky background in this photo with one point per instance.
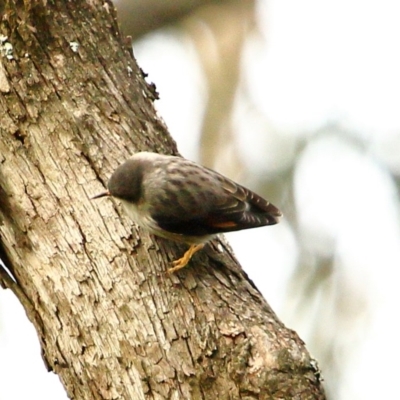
(319, 62)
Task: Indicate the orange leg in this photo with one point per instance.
(178, 264)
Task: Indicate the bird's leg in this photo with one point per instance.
(178, 264)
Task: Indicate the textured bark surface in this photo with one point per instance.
(112, 325)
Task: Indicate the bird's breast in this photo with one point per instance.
(141, 216)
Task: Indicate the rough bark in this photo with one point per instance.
(111, 323)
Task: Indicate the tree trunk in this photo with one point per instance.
(112, 324)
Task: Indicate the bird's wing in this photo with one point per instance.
(196, 201)
(242, 209)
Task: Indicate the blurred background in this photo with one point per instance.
(299, 101)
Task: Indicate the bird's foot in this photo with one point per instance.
(183, 261)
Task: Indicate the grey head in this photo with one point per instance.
(126, 181)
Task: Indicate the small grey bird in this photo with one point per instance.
(180, 200)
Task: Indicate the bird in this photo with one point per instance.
(181, 200)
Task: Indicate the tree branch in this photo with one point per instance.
(111, 323)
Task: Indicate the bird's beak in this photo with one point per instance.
(102, 194)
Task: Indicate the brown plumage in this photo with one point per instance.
(180, 200)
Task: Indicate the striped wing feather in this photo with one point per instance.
(219, 206)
